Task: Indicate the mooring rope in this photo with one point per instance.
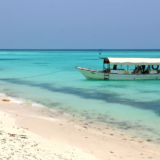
(36, 75)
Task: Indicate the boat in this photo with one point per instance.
(125, 69)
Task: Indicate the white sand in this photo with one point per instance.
(25, 133)
(20, 144)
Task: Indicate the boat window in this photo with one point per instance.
(130, 68)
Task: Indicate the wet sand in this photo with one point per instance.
(28, 132)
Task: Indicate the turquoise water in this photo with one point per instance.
(131, 106)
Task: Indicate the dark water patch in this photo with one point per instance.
(125, 125)
(95, 94)
(1, 69)
(41, 65)
(143, 92)
(116, 86)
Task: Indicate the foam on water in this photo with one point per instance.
(20, 100)
(12, 99)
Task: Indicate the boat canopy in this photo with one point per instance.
(132, 61)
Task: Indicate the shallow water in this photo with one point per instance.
(131, 106)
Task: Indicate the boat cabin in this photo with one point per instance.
(131, 65)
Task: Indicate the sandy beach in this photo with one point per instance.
(28, 132)
(79, 80)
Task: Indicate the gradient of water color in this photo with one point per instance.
(131, 106)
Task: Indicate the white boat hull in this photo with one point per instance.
(91, 74)
(95, 74)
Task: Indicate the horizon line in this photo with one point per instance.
(90, 49)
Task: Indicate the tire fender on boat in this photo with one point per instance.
(155, 68)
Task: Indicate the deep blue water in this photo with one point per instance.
(133, 106)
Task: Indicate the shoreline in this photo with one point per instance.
(93, 142)
(85, 122)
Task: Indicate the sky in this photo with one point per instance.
(79, 24)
